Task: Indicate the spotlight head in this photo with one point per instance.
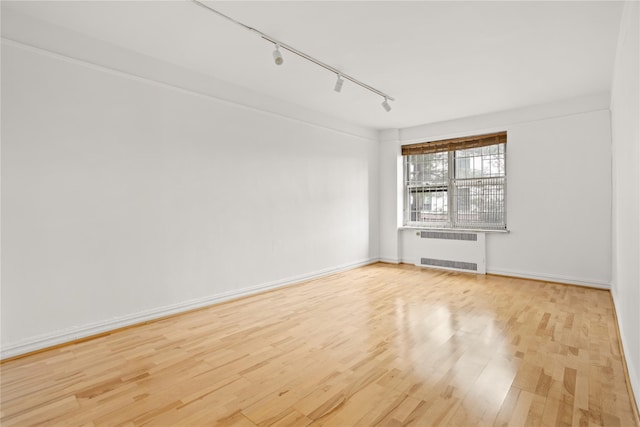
(339, 82)
(277, 56)
(385, 105)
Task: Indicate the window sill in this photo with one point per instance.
(472, 230)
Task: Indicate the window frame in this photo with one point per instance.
(452, 184)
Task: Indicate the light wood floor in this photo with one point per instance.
(380, 345)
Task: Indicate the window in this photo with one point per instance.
(456, 183)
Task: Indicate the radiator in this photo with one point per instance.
(451, 250)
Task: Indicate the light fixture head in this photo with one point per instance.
(385, 105)
(339, 82)
(277, 56)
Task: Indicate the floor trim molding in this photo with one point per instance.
(633, 386)
(390, 260)
(82, 333)
(551, 278)
(86, 332)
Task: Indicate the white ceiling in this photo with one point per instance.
(440, 60)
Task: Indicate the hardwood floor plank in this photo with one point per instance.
(387, 345)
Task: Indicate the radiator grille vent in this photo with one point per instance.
(448, 236)
(449, 264)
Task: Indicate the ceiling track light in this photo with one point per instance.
(385, 105)
(277, 57)
(339, 82)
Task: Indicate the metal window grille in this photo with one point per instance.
(457, 189)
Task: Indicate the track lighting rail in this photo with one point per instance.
(301, 54)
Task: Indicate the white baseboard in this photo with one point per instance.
(528, 275)
(551, 278)
(631, 368)
(75, 333)
(67, 335)
(434, 267)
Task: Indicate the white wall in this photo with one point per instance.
(558, 191)
(390, 190)
(124, 199)
(625, 127)
(33, 32)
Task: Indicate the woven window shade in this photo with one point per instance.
(455, 144)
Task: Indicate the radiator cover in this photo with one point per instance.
(451, 250)
(447, 263)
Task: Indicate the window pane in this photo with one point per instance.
(463, 167)
(480, 203)
(427, 169)
(480, 162)
(428, 205)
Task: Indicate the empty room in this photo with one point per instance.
(337, 213)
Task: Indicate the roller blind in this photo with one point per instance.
(455, 144)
